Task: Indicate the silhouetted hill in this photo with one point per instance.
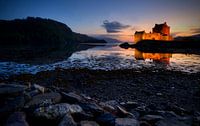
(107, 39)
(39, 32)
(188, 38)
(30, 37)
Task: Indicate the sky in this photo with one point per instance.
(110, 18)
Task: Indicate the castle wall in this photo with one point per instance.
(152, 36)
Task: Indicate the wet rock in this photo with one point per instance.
(169, 115)
(92, 107)
(171, 123)
(17, 119)
(106, 119)
(86, 97)
(152, 118)
(129, 105)
(113, 103)
(67, 121)
(12, 104)
(57, 111)
(39, 88)
(89, 123)
(135, 113)
(108, 107)
(75, 109)
(178, 110)
(44, 100)
(126, 122)
(72, 97)
(30, 94)
(159, 94)
(7, 90)
(82, 116)
(142, 110)
(123, 113)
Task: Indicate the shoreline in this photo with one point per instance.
(101, 98)
(145, 86)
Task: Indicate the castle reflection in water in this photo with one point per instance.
(155, 57)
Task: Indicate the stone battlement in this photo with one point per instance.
(160, 32)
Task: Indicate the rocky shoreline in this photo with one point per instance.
(36, 105)
(96, 97)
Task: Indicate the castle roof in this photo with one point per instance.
(139, 32)
(159, 26)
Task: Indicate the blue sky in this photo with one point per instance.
(89, 16)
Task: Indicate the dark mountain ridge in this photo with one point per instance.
(37, 31)
(25, 39)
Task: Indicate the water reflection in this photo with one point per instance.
(163, 58)
(110, 58)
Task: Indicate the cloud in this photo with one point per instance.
(114, 27)
(195, 30)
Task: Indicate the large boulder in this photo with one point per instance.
(44, 100)
(57, 111)
(17, 119)
(11, 105)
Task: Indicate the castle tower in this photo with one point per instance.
(139, 35)
(163, 29)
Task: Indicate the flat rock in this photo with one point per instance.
(39, 88)
(57, 111)
(108, 107)
(72, 97)
(67, 121)
(113, 103)
(92, 107)
(126, 122)
(82, 116)
(152, 118)
(17, 119)
(129, 105)
(11, 90)
(89, 123)
(44, 100)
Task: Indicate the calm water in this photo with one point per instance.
(111, 57)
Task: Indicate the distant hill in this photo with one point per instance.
(30, 37)
(188, 38)
(107, 39)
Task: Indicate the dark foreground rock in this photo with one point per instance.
(91, 112)
(105, 98)
(17, 119)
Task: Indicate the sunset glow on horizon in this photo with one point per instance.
(112, 18)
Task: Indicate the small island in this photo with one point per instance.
(160, 40)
